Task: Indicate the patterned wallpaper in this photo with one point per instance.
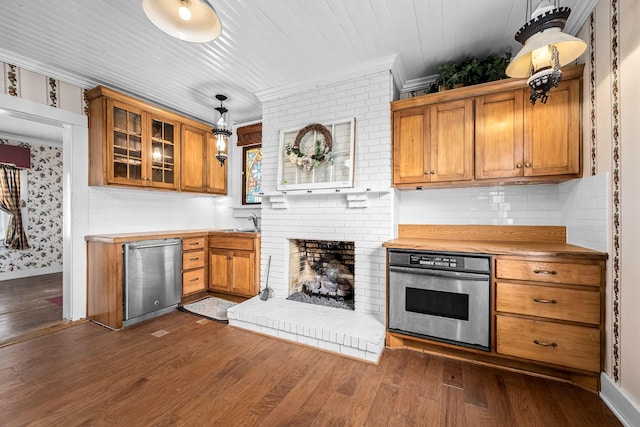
(44, 213)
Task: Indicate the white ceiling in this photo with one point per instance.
(265, 44)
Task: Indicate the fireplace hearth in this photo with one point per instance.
(322, 272)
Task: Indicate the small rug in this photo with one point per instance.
(55, 300)
(212, 307)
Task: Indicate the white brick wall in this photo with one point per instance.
(327, 217)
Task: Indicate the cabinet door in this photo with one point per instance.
(552, 132)
(499, 135)
(410, 146)
(243, 281)
(125, 161)
(219, 274)
(164, 154)
(452, 141)
(216, 173)
(194, 159)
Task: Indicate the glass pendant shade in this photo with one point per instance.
(221, 130)
(188, 20)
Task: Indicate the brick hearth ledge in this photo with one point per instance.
(346, 332)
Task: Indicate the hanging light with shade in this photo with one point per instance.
(546, 49)
(222, 130)
(189, 20)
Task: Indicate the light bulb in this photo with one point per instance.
(184, 12)
(220, 145)
(541, 58)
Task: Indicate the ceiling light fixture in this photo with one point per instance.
(189, 20)
(221, 130)
(546, 49)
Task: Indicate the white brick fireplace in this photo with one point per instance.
(362, 215)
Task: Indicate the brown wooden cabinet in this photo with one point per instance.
(511, 140)
(234, 263)
(201, 171)
(136, 144)
(550, 310)
(433, 143)
(194, 262)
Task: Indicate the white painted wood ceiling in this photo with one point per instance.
(265, 44)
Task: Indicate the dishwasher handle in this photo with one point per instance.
(160, 244)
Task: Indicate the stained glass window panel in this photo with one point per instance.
(252, 171)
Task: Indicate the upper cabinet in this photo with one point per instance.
(433, 143)
(488, 134)
(135, 144)
(201, 171)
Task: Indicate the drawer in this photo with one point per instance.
(550, 272)
(231, 243)
(546, 301)
(193, 243)
(192, 260)
(565, 345)
(193, 281)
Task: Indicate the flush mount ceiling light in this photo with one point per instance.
(546, 49)
(221, 130)
(188, 20)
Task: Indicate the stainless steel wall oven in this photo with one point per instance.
(441, 296)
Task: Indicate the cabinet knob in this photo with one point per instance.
(427, 172)
(527, 165)
(519, 165)
(433, 172)
(545, 301)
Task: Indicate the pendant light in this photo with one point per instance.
(188, 20)
(222, 130)
(546, 49)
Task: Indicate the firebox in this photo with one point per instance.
(322, 272)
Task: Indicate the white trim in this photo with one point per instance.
(576, 22)
(375, 66)
(19, 274)
(622, 406)
(46, 70)
(419, 83)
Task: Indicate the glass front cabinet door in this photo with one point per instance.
(142, 148)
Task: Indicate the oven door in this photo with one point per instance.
(443, 305)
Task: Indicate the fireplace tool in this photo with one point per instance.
(267, 291)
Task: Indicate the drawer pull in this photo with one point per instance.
(545, 344)
(545, 271)
(194, 259)
(545, 301)
(194, 243)
(195, 279)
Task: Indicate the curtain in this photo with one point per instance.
(10, 203)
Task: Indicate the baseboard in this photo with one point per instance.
(19, 274)
(623, 407)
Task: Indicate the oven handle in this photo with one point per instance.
(439, 273)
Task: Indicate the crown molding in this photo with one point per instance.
(419, 83)
(381, 64)
(46, 70)
(578, 21)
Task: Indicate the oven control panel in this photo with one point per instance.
(435, 261)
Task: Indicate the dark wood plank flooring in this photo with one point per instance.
(24, 308)
(206, 373)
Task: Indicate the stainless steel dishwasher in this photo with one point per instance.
(151, 278)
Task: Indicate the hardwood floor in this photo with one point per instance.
(202, 372)
(24, 308)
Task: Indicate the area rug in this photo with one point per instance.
(55, 300)
(212, 307)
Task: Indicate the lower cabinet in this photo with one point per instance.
(194, 272)
(234, 263)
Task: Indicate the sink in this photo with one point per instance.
(239, 230)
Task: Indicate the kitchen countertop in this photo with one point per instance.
(495, 248)
(150, 235)
(542, 241)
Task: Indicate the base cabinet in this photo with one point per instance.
(194, 271)
(234, 264)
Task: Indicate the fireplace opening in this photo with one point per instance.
(322, 272)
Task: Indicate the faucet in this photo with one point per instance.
(256, 220)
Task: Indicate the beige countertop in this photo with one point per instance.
(150, 235)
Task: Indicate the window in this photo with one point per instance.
(252, 175)
(4, 224)
(250, 139)
(6, 217)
